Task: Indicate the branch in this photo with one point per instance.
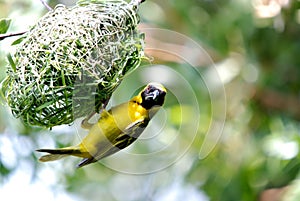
(274, 194)
(3, 36)
(179, 50)
(278, 101)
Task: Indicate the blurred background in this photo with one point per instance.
(229, 129)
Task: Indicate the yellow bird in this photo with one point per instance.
(116, 128)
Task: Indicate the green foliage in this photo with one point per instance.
(231, 26)
(4, 25)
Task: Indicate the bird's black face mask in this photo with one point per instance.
(153, 95)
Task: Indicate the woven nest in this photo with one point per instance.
(72, 60)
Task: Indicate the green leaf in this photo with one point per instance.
(18, 41)
(3, 87)
(11, 62)
(4, 171)
(4, 25)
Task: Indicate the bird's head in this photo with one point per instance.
(153, 95)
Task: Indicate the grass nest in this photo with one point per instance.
(72, 60)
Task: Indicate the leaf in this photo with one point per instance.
(11, 62)
(4, 171)
(4, 25)
(18, 41)
(3, 87)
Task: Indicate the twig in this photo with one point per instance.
(3, 36)
(46, 5)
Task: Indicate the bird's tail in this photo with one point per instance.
(56, 154)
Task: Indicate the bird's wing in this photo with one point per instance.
(128, 136)
(131, 133)
(86, 161)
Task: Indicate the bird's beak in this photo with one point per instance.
(153, 95)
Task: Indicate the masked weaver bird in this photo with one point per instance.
(116, 128)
